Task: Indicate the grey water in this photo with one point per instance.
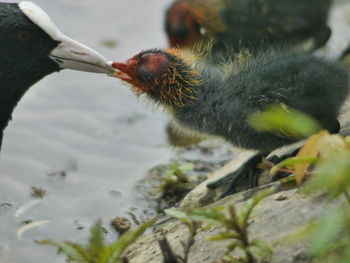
(88, 127)
(85, 138)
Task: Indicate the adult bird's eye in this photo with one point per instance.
(202, 31)
(23, 36)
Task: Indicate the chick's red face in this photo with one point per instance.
(127, 69)
(143, 70)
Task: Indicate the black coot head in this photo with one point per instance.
(31, 47)
(24, 47)
(31, 44)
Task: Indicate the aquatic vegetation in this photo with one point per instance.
(322, 165)
(97, 250)
(173, 182)
(234, 226)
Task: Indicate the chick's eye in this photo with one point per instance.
(23, 36)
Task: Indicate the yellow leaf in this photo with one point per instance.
(310, 149)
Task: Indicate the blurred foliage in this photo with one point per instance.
(175, 182)
(192, 226)
(235, 229)
(285, 121)
(325, 160)
(97, 250)
(331, 237)
(332, 170)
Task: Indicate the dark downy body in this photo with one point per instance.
(250, 24)
(220, 103)
(300, 81)
(273, 23)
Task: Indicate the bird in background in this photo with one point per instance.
(31, 47)
(219, 101)
(225, 27)
(254, 24)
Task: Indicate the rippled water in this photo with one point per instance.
(89, 126)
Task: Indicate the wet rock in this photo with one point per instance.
(281, 198)
(38, 192)
(273, 221)
(121, 224)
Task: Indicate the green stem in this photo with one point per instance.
(291, 161)
(242, 233)
(190, 241)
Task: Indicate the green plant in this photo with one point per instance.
(173, 184)
(325, 160)
(286, 121)
(332, 169)
(235, 227)
(97, 250)
(192, 226)
(330, 237)
(175, 181)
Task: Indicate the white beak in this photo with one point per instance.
(69, 54)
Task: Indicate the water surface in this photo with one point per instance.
(91, 128)
(88, 125)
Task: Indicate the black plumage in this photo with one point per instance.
(26, 53)
(24, 60)
(236, 24)
(219, 101)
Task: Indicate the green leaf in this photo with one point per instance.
(284, 121)
(331, 174)
(231, 259)
(126, 239)
(73, 252)
(327, 232)
(233, 245)
(222, 236)
(186, 167)
(182, 216)
(96, 241)
(260, 250)
(172, 179)
(211, 216)
(293, 161)
(98, 251)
